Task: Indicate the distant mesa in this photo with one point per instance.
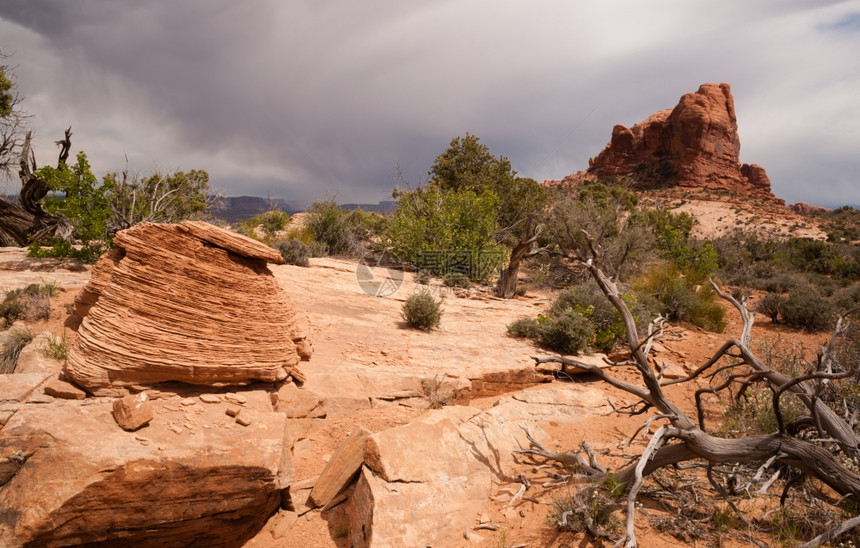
(190, 303)
(694, 145)
(804, 208)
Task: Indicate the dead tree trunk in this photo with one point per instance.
(507, 284)
(682, 439)
(26, 221)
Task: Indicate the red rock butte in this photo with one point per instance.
(190, 303)
(693, 145)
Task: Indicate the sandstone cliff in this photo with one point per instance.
(190, 303)
(694, 145)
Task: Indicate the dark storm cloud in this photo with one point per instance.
(303, 99)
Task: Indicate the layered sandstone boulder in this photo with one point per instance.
(190, 303)
(695, 144)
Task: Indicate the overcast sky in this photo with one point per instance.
(306, 99)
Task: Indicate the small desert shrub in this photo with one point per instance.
(293, 251)
(457, 279)
(13, 341)
(56, 348)
(11, 308)
(753, 412)
(805, 308)
(681, 300)
(771, 306)
(436, 392)
(588, 301)
(525, 328)
(422, 311)
(588, 509)
(341, 231)
(423, 277)
(50, 289)
(273, 221)
(568, 333)
(780, 282)
(270, 222)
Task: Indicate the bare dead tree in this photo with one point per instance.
(27, 221)
(681, 439)
(523, 249)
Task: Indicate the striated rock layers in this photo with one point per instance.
(191, 303)
(695, 145)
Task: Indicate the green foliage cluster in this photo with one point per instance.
(7, 98)
(270, 222)
(77, 196)
(98, 210)
(467, 164)
(55, 348)
(807, 281)
(474, 206)
(842, 224)
(696, 259)
(430, 221)
(158, 198)
(293, 251)
(456, 279)
(680, 299)
(611, 217)
(779, 265)
(11, 308)
(31, 302)
(804, 308)
(580, 317)
(342, 232)
(422, 311)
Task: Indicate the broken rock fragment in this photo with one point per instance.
(132, 411)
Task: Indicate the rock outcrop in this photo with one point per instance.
(806, 209)
(694, 145)
(70, 476)
(190, 303)
(424, 483)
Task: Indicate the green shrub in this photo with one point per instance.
(589, 302)
(274, 221)
(56, 348)
(293, 251)
(340, 231)
(771, 306)
(422, 311)
(524, 328)
(780, 282)
(423, 277)
(11, 308)
(568, 333)
(431, 223)
(456, 279)
(681, 300)
(805, 308)
(88, 253)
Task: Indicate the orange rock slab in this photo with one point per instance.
(190, 303)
